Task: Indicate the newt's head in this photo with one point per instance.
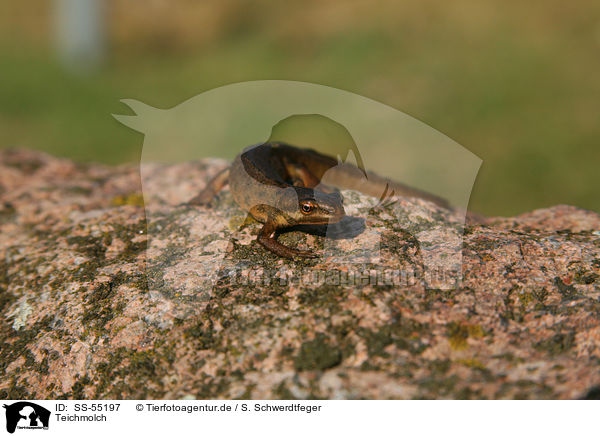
(309, 206)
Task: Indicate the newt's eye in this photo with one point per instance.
(306, 208)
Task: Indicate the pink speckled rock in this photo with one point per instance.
(102, 298)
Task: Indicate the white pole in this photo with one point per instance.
(80, 33)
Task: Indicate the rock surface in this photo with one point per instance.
(99, 299)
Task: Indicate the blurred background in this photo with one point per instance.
(517, 83)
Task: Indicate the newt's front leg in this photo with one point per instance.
(268, 239)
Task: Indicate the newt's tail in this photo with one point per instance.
(347, 176)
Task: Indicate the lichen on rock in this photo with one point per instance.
(102, 298)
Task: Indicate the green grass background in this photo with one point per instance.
(517, 84)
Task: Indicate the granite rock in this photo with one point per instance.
(106, 293)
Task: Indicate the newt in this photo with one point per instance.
(280, 186)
